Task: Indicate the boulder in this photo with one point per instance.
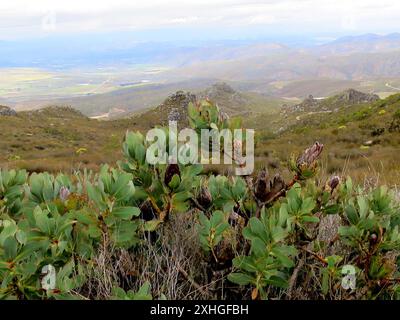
(175, 107)
(6, 111)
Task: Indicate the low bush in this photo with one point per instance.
(258, 237)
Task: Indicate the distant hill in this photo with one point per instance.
(367, 43)
(120, 103)
(62, 112)
(49, 138)
(349, 58)
(239, 103)
(297, 65)
(227, 98)
(230, 101)
(349, 97)
(124, 101)
(360, 139)
(99, 51)
(173, 108)
(314, 111)
(84, 50)
(346, 98)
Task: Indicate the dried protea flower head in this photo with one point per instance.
(147, 212)
(222, 116)
(276, 186)
(310, 154)
(265, 188)
(64, 193)
(172, 169)
(305, 165)
(262, 185)
(204, 197)
(332, 183)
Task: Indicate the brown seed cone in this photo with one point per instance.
(172, 169)
(333, 183)
(224, 253)
(147, 212)
(262, 186)
(204, 198)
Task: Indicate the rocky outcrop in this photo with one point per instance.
(6, 111)
(176, 105)
(218, 89)
(395, 125)
(308, 103)
(222, 94)
(332, 104)
(229, 100)
(352, 96)
(174, 108)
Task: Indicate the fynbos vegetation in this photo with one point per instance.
(141, 231)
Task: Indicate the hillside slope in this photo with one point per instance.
(127, 100)
(348, 97)
(58, 138)
(362, 138)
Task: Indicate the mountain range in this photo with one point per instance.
(109, 49)
(268, 70)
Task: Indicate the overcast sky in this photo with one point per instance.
(226, 18)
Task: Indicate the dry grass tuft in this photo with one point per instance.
(173, 264)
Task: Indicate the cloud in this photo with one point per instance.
(182, 20)
(262, 19)
(25, 17)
